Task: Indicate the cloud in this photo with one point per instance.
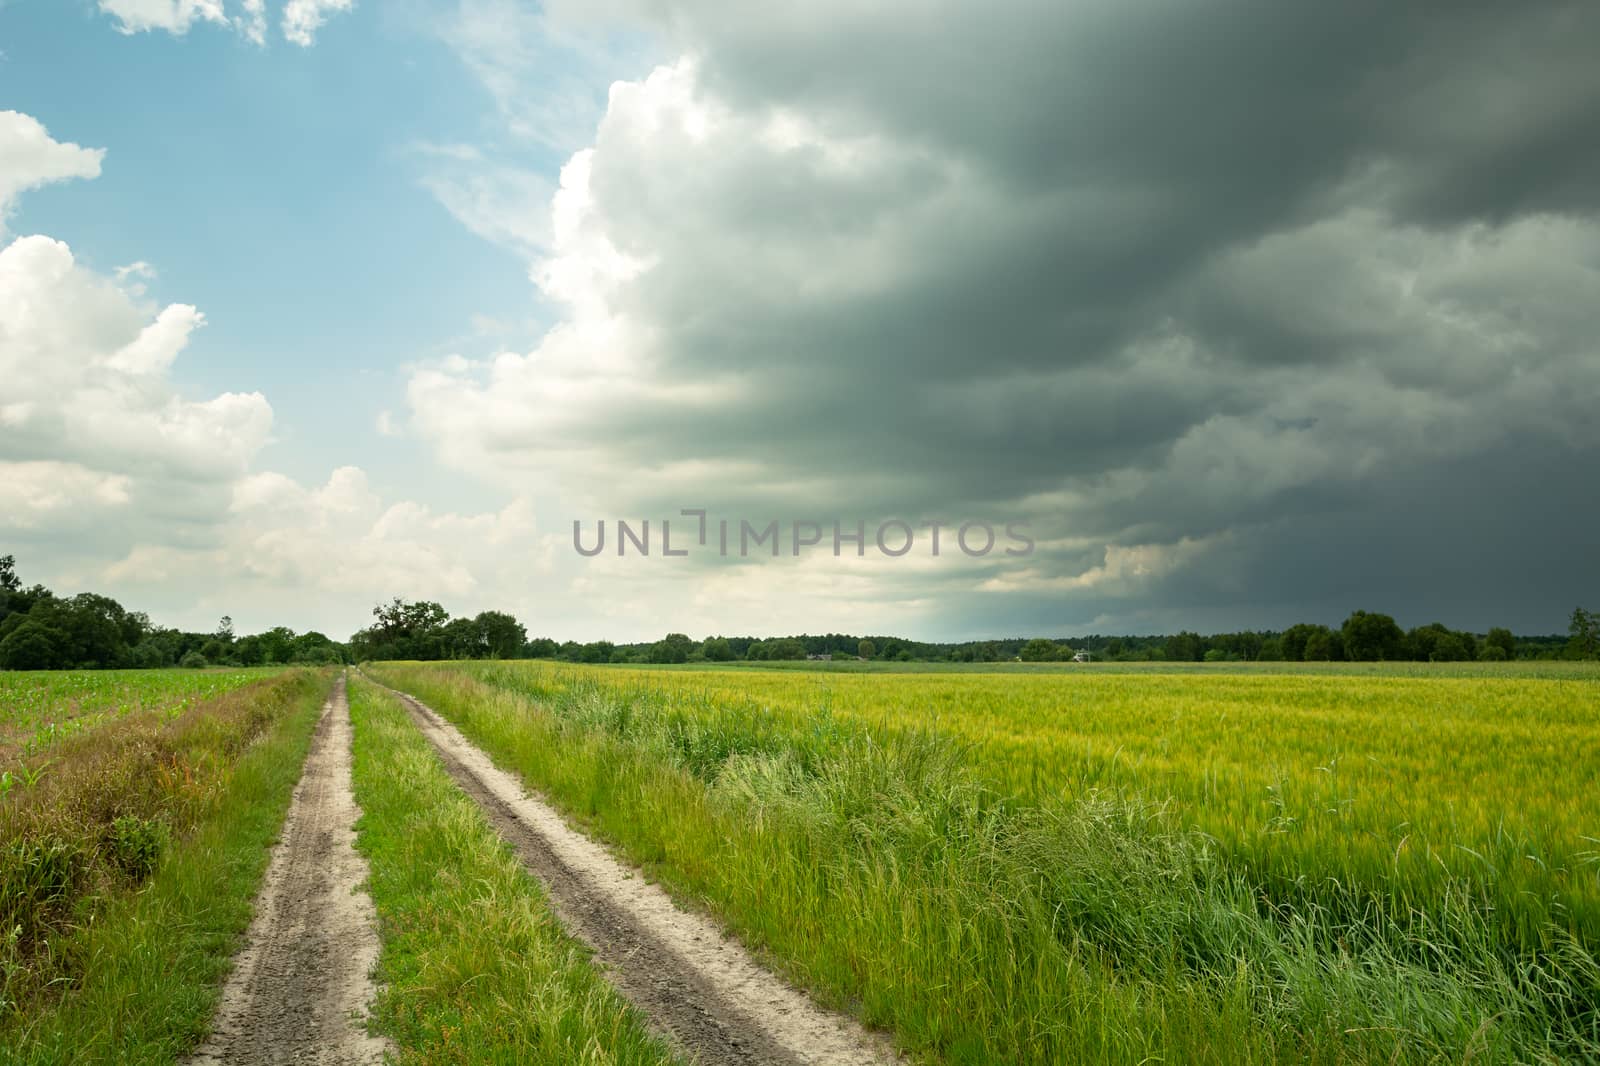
(60, 494)
(302, 18)
(323, 555)
(500, 203)
(85, 369)
(1163, 277)
(29, 158)
(546, 76)
(174, 16)
(116, 477)
(253, 22)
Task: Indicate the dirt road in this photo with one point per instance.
(301, 986)
(697, 986)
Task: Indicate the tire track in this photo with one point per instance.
(299, 990)
(697, 986)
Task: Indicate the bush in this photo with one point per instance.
(194, 661)
(135, 844)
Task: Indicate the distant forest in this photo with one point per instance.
(40, 630)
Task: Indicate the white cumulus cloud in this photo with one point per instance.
(30, 157)
(174, 16)
(302, 18)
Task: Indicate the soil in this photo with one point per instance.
(695, 985)
(299, 990)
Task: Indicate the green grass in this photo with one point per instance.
(38, 708)
(475, 967)
(889, 869)
(1392, 787)
(135, 966)
(1519, 668)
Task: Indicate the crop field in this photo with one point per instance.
(38, 708)
(1383, 780)
(1086, 865)
(967, 866)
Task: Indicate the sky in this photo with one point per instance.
(1238, 315)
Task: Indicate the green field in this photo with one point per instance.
(995, 863)
(1109, 865)
(38, 708)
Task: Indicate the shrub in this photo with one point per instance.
(135, 844)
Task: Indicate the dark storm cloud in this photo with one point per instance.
(1258, 287)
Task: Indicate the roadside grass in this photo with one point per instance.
(127, 873)
(887, 875)
(474, 967)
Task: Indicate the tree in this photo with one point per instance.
(277, 644)
(785, 648)
(1185, 647)
(866, 649)
(717, 650)
(1502, 639)
(194, 661)
(462, 638)
(598, 651)
(34, 646)
(1294, 640)
(1370, 637)
(1438, 644)
(404, 631)
(1319, 647)
(673, 648)
(1040, 650)
(1585, 631)
(1452, 648)
(314, 647)
(9, 582)
(503, 636)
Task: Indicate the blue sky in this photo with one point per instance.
(281, 189)
(1251, 316)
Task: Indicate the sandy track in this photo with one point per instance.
(300, 988)
(697, 986)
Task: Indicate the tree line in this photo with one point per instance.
(40, 630)
(425, 631)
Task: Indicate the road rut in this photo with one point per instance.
(300, 988)
(695, 985)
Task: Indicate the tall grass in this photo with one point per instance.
(126, 877)
(1386, 790)
(474, 967)
(891, 870)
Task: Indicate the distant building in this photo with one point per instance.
(1081, 657)
(825, 657)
